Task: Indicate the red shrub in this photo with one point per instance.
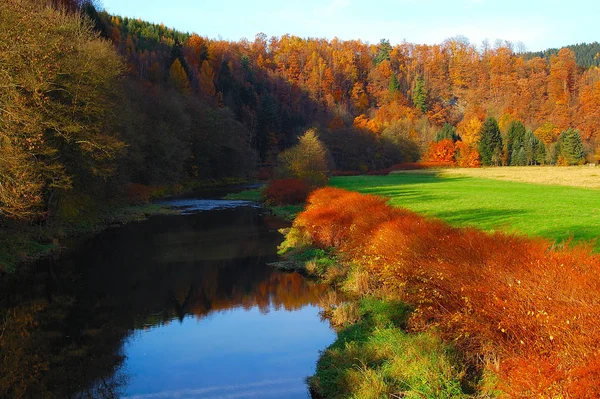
(496, 296)
(138, 193)
(286, 191)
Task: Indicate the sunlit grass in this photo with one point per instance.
(375, 358)
(555, 212)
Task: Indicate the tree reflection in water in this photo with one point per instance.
(62, 329)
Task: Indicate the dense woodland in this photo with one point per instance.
(95, 106)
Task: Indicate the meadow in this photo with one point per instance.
(465, 197)
(518, 310)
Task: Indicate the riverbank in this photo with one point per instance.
(23, 244)
(519, 313)
(287, 212)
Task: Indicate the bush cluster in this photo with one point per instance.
(518, 307)
(286, 191)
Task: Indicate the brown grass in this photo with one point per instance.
(574, 176)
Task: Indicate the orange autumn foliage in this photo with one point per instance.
(517, 305)
(441, 151)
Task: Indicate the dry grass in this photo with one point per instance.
(573, 176)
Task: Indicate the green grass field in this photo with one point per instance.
(554, 212)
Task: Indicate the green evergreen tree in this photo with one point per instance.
(447, 132)
(514, 138)
(394, 85)
(530, 144)
(490, 144)
(540, 153)
(420, 95)
(521, 158)
(570, 146)
(383, 51)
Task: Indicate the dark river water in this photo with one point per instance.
(181, 306)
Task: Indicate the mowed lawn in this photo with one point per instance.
(551, 211)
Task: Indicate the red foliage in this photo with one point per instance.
(518, 300)
(286, 191)
(441, 151)
(138, 193)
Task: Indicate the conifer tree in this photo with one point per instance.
(420, 95)
(570, 146)
(447, 132)
(490, 144)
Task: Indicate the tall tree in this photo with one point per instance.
(570, 147)
(420, 95)
(490, 144)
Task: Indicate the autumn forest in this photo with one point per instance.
(100, 104)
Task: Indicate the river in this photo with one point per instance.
(177, 306)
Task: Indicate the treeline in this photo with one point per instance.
(586, 54)
(374, 105)
(514, 145)
(83, 119)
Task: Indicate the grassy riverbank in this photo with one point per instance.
(374, 355)
(287, 212)
(557, 212)
(520, 312)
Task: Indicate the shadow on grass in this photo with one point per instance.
(485, 217)
(576, 234)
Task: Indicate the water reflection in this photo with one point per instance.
(171, 307)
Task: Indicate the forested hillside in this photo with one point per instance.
(97, 105)
(586, 54)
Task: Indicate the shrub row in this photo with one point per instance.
(516, 306)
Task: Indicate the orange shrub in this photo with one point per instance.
(519, 301)
(441, 151)
(286, 191)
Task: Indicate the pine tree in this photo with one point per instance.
(394, 85)
(540, 153)
(490, 144)
(570, 146)
(383, 51)
(447, 132)
(514, 139)
(420, 95)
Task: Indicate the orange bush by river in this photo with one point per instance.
(521, 307)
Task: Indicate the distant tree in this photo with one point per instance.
(178, 78)
(207, 76)
(394, 85)
(420, 95)
(447, 132)
(490, 144)
(570, 147)
(515, 137)
(383, 51)
(530, 146)
(307, 160)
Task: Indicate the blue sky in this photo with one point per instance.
(537, 24)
